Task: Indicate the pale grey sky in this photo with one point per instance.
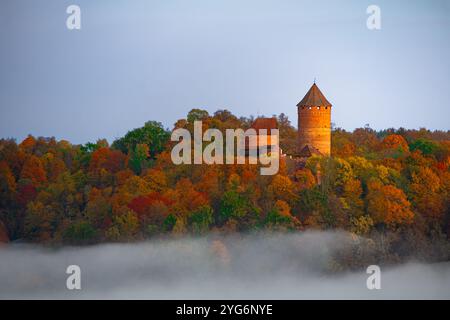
(134, 61)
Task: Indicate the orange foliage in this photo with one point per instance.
(209, 183)
(424, 190)
(394, 142)
(282, 188)
(140, 204)
(28, 143)
(156, 179)
(185, 198)
(388, 204)
(123, 175)
(348, 150)
(283, 208)
(304, 179)
(110, 160)
(363, 137)
(33, 170)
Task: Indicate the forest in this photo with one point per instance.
(389, 189)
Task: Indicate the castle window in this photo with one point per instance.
(318, 108)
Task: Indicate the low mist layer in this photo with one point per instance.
(292, 266)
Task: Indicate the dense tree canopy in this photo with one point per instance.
(388, 181)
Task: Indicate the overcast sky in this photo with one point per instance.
(134, 61)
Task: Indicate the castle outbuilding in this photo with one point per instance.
(314, 123)
(266, 140)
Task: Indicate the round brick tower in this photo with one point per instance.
(314, 123)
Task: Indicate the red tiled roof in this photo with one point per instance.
(265, 123)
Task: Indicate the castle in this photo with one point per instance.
(314, 125)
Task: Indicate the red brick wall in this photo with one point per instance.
(314, 128)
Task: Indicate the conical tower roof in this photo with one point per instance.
(314, 98)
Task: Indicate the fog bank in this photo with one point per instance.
(292, 266)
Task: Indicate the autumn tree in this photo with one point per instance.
(124, 226)
(280, 218)
(304, 179)
(110, 160)
(394, 145)
(156, 180)
(282, 188)
(366, 141)
(388, 205)
(34, 171)
(424, 189)
(54, 166)
(98, 209)
(28, 144)
(151, 209)
(342, 144)
(39, 222)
